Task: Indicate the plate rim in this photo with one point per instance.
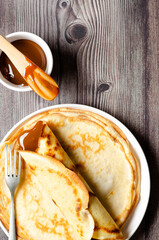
(129, 136)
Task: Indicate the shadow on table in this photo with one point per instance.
(151, 212)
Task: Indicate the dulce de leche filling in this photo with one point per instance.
(28, 140)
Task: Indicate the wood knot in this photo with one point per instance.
(103, 87)
(76, 32)
(64, 3)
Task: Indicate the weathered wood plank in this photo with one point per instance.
(105, 55)
(152, 116)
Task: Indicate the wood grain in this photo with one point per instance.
(105, 55)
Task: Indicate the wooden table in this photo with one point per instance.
(105, 56)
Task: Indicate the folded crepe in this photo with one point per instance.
(65, 189)
(101, 153)
(37, 216)
(105, 227)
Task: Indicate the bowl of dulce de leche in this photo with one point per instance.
(34, 48)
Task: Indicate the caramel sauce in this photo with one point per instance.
(28, 140)
(32, 77)
(29, 70)
(32, 51)
(31, 74)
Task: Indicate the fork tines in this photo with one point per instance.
(11, 165)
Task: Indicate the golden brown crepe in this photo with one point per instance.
(100, 152)
(65, 189)
(37, 217)
(105, 227)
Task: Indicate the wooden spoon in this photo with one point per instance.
(37, 79)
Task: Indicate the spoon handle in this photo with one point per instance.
(16, 57)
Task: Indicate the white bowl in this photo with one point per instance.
(49, 58)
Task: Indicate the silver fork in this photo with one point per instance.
(12, 177)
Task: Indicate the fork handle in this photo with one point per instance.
(12, 232)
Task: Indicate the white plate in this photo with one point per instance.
(137, 215)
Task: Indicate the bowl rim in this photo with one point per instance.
(35, 38)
